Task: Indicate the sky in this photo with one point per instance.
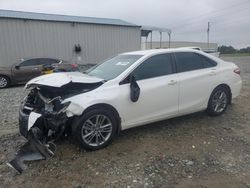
(187, 19)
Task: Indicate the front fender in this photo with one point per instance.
(81, 102)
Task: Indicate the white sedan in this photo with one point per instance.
(128, 90)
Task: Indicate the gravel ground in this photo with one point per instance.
(190, 151)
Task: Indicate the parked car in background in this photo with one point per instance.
(128, 90)
(30, 68)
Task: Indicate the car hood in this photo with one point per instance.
(61, 79)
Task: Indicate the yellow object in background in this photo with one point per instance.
(48, 71)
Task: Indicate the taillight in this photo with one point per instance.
(74, 65)
(237, 71)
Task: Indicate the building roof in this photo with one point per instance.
(152, 28)
(145, 30)
(62, 18)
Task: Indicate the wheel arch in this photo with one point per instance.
(5, 76)
(227, 87)
(107, 107)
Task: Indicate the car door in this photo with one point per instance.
(27, 70)
(158, 98)
(197, 77)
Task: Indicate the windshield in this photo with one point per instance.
(113, 67)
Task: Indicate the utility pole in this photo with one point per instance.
(208, 30)
(160, 38)
(169, 38)
(151, 39)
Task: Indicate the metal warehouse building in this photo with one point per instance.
(85, 40)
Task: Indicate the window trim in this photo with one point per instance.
(174, 68)
(197, 54)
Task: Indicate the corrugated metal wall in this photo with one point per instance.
(27, 38)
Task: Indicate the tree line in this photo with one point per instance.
(231, 50)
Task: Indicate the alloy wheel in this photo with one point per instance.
(219, 101)
(3, 82)
(96, 130)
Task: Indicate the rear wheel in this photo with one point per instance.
(95, 129)
(4, 81)
(218, 101)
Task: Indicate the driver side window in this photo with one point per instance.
(158, 65)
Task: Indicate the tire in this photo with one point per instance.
(92, 135)
(4, 82)
(218, 101)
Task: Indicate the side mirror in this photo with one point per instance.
(17, 67)
(134, 89)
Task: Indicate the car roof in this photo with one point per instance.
(40, 58)
(33, 58)
(159, 51)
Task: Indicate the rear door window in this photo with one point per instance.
(30, 62)
(188, 61)
(48, 61)
(207, 62)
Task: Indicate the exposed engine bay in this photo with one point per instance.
(43, 119)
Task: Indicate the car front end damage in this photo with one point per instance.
(44, 116)
(49, 115)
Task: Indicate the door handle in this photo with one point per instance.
(212, 73)
(172, 82)
(34, 68)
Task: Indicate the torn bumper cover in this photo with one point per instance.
(44, 116)
(31, 151)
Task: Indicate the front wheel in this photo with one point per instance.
(4, 82)
(218, 101)
(95, 129)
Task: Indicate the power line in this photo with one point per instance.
(220, 24)
(233, 21)
(188, 32)
(212, 18)
(198, 18)
(217, 14)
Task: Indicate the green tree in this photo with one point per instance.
(245, 50)
(227, 49)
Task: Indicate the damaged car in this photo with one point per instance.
(128, 90)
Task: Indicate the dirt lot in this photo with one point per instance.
(191, 151)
